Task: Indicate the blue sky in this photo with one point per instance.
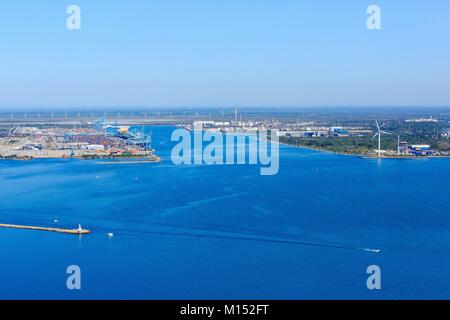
(269, 53)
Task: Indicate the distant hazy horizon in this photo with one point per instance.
(208, 54)
(418, 110)
(219, 107)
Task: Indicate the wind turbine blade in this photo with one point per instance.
(385, 132)
(378, 127)
(374, 136)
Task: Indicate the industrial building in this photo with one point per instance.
(421, 150)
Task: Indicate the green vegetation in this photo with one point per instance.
(412, 133)
(348, 145)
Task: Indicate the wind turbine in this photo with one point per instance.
(379, 133)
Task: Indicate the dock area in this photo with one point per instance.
(99, 140)
(78, 231)
(152, 159)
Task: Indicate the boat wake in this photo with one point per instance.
(246, 236)
(372, 250)
(211, 231)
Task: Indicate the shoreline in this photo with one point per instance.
(151, 159)
(364, 155)
(155, 160)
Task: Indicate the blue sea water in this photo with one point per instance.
(226, 232)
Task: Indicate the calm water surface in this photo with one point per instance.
(212, 232)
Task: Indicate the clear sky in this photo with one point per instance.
(160, 53)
